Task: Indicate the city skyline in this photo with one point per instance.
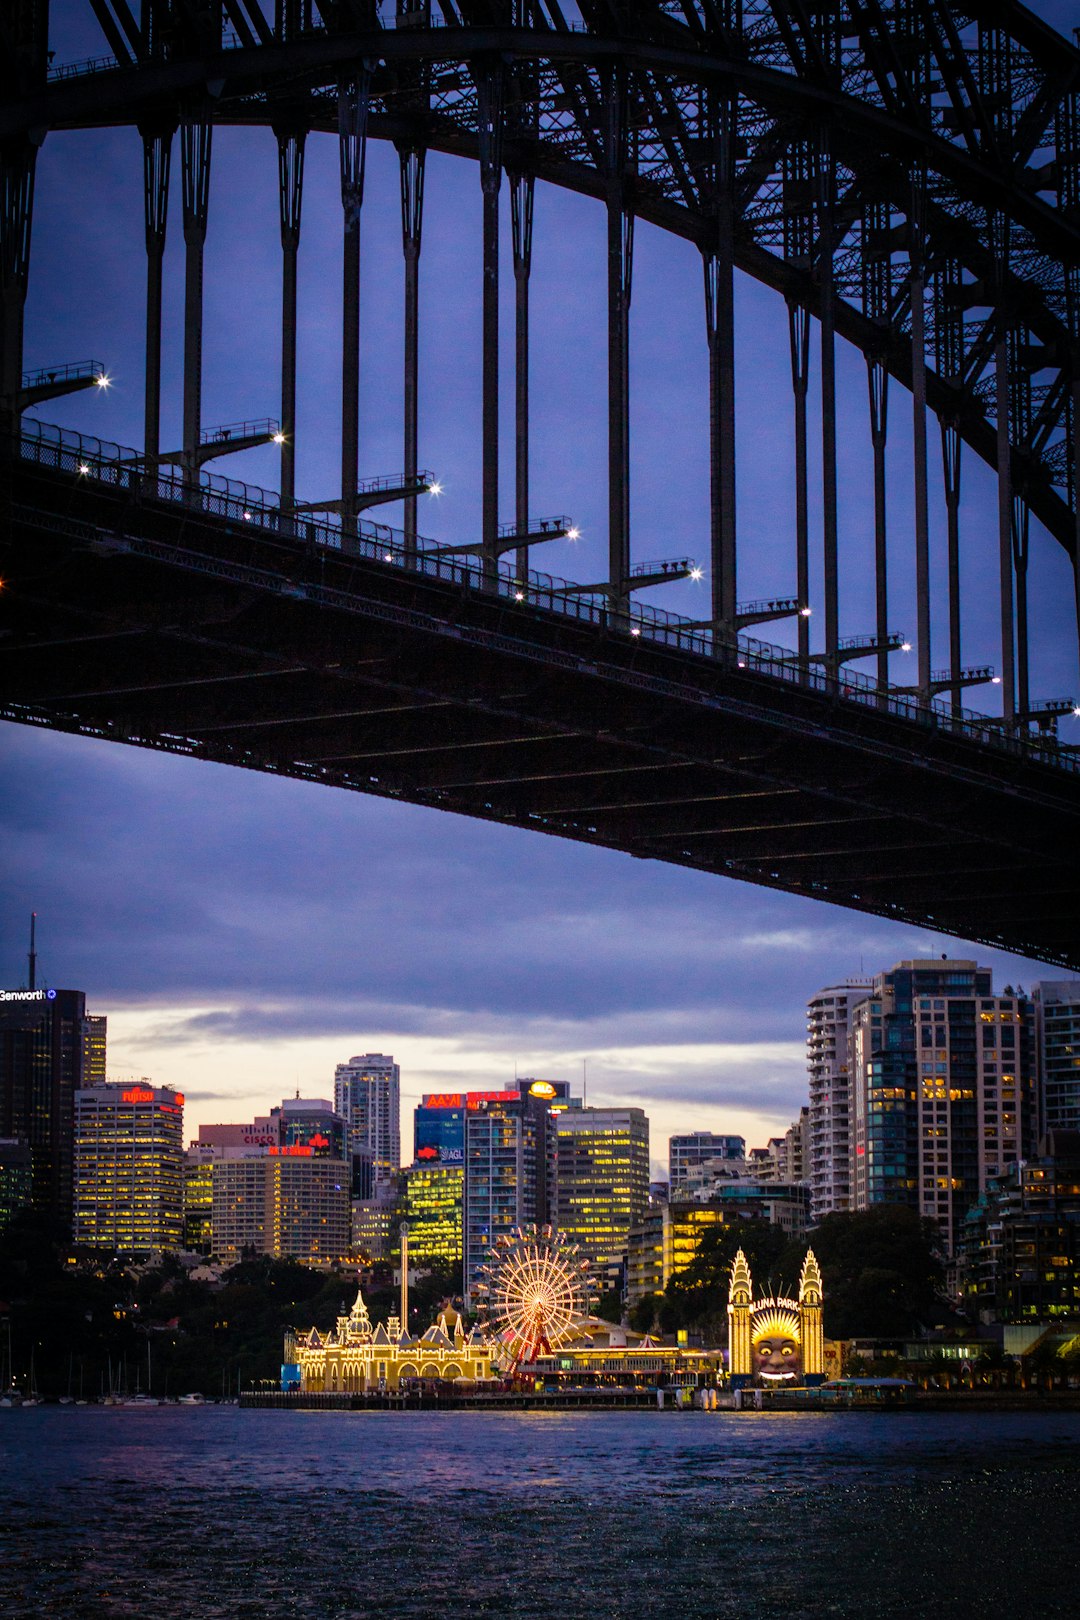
(242, 931)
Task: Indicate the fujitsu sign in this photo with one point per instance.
(27, 995)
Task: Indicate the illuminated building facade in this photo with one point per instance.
(601, 1179)
(943, 1086)
(285, 1203)
(43, 1043)
(775, 1340)
(831, 1121)
(686, 1153)
(1057, 1014)
(367, 1095)
(129, 1155)
(355, 1358)
(434, 1207)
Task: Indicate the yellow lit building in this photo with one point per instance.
(128, 1167)
(434, 1202)
(664, 1242)
(284, 1204)
(355, 1358)
(601, 1178)
(198, 1203)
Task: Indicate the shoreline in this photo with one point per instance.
(991, 1401)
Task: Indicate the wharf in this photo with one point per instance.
(497, 1401)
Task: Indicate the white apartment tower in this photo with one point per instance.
(828, 1058)
(367, 1095)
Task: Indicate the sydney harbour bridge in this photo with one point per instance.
(903, 174)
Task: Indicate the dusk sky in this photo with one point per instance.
(243, 933)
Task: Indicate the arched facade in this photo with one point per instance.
(354, 1358)
(775, 1340)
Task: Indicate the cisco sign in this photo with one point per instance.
(27, 995)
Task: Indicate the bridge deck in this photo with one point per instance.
(126, 619)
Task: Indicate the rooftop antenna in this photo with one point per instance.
(584, 1082)
(33, 951)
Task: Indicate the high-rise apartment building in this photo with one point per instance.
(43, 1044)
(1057, 1019)
(689, 1151)
(828, 1059)
(601, 1179)
(943, 1088)
(129, 1155)
(367, 1095)
(1019, 1250)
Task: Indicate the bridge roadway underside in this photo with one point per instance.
(140, 622)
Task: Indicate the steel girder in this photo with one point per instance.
(887, 131)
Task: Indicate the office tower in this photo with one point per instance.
(433, 1207)
(1057, 1020)
(509, 1142)
(687, 1152)
(95, 1037)
(42, 1048)
(439, 1131)
(309, 1128)
(828, 1059)
(280, 1204)
(943, 1075)
(16, 1178)
(129, 1154)
(198, 1201)
(367, 1095)
(376, 1221)
(601, 1179)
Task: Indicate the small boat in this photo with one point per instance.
(194, 1399)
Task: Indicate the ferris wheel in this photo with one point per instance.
(535, 1291)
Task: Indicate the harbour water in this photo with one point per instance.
(211, 1512)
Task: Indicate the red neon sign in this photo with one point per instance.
(137, 1094)
(293, 1150)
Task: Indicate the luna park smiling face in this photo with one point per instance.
(776, 1357)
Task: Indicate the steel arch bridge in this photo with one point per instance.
(906, 173)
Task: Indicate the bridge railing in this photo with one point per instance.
(115, 466)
